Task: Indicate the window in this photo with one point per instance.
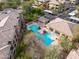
(14, 52)
(74, 20)
(71, 19)
(16, 40)
(11, 48)
(56, 5)
(52, 7)
(9, 42)
(15, 37)
(78, 22)
(73, 1)
(14, 45)
(51, 29)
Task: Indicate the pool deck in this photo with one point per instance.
(53, 35)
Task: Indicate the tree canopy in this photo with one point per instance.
(13, 3)
(29, 12)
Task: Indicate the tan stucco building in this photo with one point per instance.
(74, 54)
(51, 3)
(60, 26)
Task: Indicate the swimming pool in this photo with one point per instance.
(33, 27)
(47, 39)
(44, 37)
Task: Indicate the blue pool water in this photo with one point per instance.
(47, 39)
(44, 37)
(33, 27)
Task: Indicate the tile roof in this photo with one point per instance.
(7, 32)
(4, 53)
(62, 26)
(74, 54)
(2, 22)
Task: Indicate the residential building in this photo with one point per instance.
(51, 3)
(72, 16)
(11, 32)
(73, 13)
(44, 3)
(55, 3)
(57, 29)
(74, 54)
(60, 27)
(73, 1)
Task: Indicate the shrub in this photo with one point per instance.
(20, 47)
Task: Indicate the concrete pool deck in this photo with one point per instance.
(53, 35)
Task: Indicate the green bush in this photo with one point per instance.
(67, 45)
(52, 54)
(36, 11)
(20, 48)
(24, 56)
